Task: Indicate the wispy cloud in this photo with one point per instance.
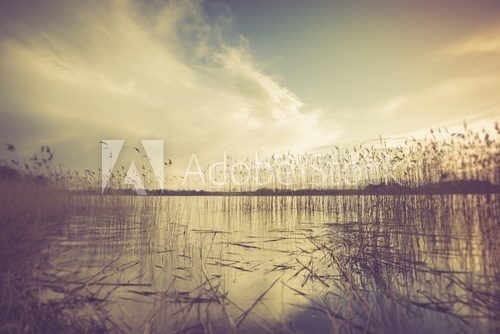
(484, 41)
(73, 73)
(147, 72)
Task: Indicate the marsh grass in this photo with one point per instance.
(367, 264)
(441, 157)
(29, 208)
(395, 266)
(378, 264)
(24, 311)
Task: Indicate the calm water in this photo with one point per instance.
(283, 264)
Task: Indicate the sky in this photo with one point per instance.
(241, 76)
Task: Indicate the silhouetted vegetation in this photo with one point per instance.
(376, 249)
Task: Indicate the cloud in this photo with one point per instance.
(482, 42)
(391, 106)
(142, 71)
(463, 84)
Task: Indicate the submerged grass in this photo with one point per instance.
(29, 208)
(367, 264)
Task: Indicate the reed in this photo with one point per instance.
(376, 263)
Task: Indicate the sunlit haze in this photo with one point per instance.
(241, 76)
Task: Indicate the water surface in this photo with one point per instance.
(283, 264)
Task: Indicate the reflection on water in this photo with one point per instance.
(284, 264)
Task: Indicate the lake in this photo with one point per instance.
(367, 264)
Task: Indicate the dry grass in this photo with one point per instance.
(441, 157)
(370, 259)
